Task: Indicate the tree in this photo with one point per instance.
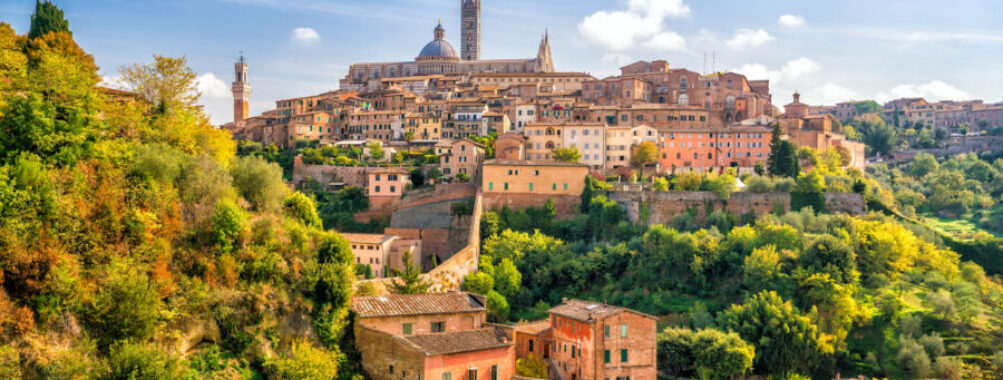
(507, 279)
(772, 162)
(785, 160)
(301, 207)
(660, 185)
(126, 306)
(567, 154)
(376, 150)
(533, 367)
(433, 174)
(866, 107)
(259, 182)
(227, 225)
(168, 83)
(140, 361)
(478, 283)
(497, 306)
(645, 153)
(707, 354)
(923, 164)
(827, 254)
(408, 138)
(409, 280)
(785, 339)
(47, 18)
(912, 358)
(811, 182)
(307, 362)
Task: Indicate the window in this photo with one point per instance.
(506, 186)
(623, 331)
(377, 189)
(391, 369)
(606, 331)
(684, 99)
(438, 327)
(623, 355)
(472, 373)
(530, 345)
(565, 187)
(393, 189)
(530, 186)
(407, 329)
(494, 372)
(447, 376)
(491, 186)
(572, 351)
(554, 188)
(606, 356)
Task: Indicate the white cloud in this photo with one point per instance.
(305, 35)
(789, 72)
(113, 81)
(641, 21)
(934, 91)
(791, 21)
(829, 94)
(744, 38)
(212, 87)
(666, 40)
(619, 60)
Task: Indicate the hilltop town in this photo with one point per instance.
(450, 217)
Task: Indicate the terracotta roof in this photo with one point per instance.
(460, 341)
(367, 238)
(533, 328)
(498, 162)
(417, 304)
(587, 311)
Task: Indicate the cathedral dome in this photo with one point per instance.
(439, 48)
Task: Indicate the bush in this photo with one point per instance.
(126, 306)
(227, 226)
(303, 209)
(758, 184)
(259, 182)
(305, 362)
(497, 307)
(912, 358)
(139, 361)
(478, 283)
(158, 162)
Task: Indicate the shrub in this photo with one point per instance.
(259, 182)
(139, 361)
(227, 226)
(497, 307)
(478, 283)
(305, 362)
(127, 305)
(758, 184)
(303, 209)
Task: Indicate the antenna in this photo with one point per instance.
(713, 61)
(704, 63)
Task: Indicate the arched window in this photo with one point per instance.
(550, 145)
(684, 99)
(729, 102)
(550, 131)
(661, 99)
(682, 83)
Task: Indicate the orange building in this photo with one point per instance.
(737, 146)
(534, 177)
(594, 341)
(431, 336)
(462, 156)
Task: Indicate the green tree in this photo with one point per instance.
(409, 280)
(912, 358)
(168, 83)
(433, 174)
(140, 361)
(497, 306)
(126, 305)
(507, 279)
(828, 254)
(259, 182)
(923, 164)
(660, 185)
(645, 153)
(785, 340)
(376, 150)
(47, 18)
(566, 154)
(478, 283)
(306, 362)
(532, 367)
(227, 226)
(707, 353)
(302, 208)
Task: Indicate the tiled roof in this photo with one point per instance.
(587, 311)
(416, 304)
(533, 328)
(460, 341)
(367, 238)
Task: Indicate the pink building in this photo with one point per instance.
(382, 253)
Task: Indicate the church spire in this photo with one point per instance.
(544, 62)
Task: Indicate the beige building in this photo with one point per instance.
(462, 156)
(383, 253)
(620, 143)
(533, 177)
(589, 138)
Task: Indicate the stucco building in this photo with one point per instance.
(593, 341)
(382, 253)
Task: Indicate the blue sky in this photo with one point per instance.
(829, 51)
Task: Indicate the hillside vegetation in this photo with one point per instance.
(135, 244)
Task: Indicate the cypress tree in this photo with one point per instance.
(47, 18)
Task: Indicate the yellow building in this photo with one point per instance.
(533, 177)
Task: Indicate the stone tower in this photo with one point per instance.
(470, 42)
(544, 62)
(241, 90)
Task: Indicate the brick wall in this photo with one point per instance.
(422, 324)
(640, 342)
(662, 207)
(350, 175)
(564, 205)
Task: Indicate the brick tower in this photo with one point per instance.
(241, 90)
(470, 42)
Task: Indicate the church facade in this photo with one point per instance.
(438, 57)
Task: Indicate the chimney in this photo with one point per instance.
(564, 299)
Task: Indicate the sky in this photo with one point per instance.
(829, 51)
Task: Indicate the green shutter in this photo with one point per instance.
(623, 355)
(606, 356)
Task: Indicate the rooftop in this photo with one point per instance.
(460, 341)
(499, 162)
(417, 304)
(367, 238)
(587, 311)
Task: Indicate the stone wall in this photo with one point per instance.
(662, 207)
(381, 350)
(564, 205)
(349, 175)
(448, 275)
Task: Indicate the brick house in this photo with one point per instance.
(431, 337)
(462, 156)
(593, 341)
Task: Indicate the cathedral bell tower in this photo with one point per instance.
(470, 41)
(241, 90)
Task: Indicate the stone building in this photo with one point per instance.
(431, 336)
(462, 156)
(592, 341)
